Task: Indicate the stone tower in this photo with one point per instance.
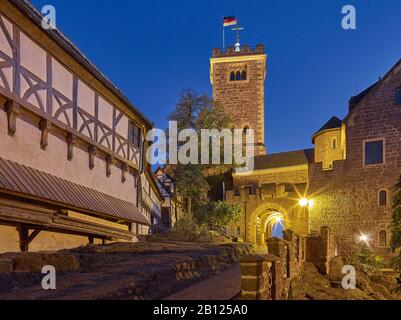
(238, 79)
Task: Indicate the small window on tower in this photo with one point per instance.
(232, 76)
(383, 198)
(383, 238)
(238, 76)
(244, 75)
(334, 143)
(398, 96)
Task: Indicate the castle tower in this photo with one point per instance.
(238, 79)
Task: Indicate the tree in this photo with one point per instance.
(396, 218)
(218, 215)
(396, 227)
(197, 112)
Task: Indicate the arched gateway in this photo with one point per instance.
(261, 214)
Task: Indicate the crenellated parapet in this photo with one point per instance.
(245, 50)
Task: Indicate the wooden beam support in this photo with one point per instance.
(109, 163)
(13, 110)
(92, 150)
(44, 126)
(33, 235)
(25, 238)
(23, 233)
(124, 172)
(71, 141)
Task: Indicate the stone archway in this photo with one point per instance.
(265, 214)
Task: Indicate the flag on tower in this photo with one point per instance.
(229, 21)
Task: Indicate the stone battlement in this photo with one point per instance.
(245, 50)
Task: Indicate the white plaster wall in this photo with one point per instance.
(105, 112)
(33, 57)
(24, 148)
(62, 79)
(122, 127)
(8, 72)
(86, 98)
(4, 45)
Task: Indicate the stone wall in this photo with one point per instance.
(346, 198)
(268, 277)
(273, 177)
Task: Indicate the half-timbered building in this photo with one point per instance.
(72, 146)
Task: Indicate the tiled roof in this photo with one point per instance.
(285, 159)
(353, 102)
(26, 181)
(333, 123)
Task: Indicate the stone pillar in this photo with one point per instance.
(318, 250)
(257, 277)
(282, 269)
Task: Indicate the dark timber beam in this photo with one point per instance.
(25, 238)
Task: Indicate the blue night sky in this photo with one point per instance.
(152, 50)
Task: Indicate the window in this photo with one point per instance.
(398, 96)
(238, 76)
(246, 130)
(135, 135)
(383, 198)
(383, 238)
(334, 143)
(374, 152)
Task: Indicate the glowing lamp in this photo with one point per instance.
(363, 238)
(303, 202)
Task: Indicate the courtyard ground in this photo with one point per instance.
(128, 271)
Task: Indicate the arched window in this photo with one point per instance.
(232, 76)
(334, 143)
(383, 238)
(243, 76)
(383, 196)
(238, 76)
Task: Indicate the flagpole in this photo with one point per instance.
(224, 37)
